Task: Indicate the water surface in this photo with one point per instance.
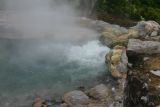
(45, 68)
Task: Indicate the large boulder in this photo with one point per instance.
(143, 47)
(117, 61)
(149, 30)
(112, 36)
(76, 99)
(99, 92)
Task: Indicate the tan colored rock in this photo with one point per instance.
(99, 92)
(38, 102)
(117, 50)
(76, 99)
(133, 33)
(117, 61)
(113, 36)
(63, 105)
(116, 73)
(96, 105)
(116, 55)
(114, 30)
(109, 39)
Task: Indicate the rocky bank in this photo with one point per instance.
(134, 62)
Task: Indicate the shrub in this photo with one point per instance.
(135, 9)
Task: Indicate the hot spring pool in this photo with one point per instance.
(32, 65)
(45, 68)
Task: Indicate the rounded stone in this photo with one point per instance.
(75, 98)
(99, 92)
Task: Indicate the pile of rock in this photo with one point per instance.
(98, 96)
(146, 30)
(141, 65)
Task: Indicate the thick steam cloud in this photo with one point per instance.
(44, 19)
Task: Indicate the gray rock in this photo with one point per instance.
(117, 62)
(122, 68)
(156, 38)
(156, 72)
(154, 33)
(63, 105)
(99, 92)
(148, 30)
(143, 47)
(76, 99)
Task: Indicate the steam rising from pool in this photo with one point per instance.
(47, 69)
(44, 50)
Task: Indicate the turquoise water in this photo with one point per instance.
(46, 68)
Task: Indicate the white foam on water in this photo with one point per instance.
(91, 54)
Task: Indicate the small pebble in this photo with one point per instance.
(113, 89)
(144, 98)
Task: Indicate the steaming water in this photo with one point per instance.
(47, 69)
(45, 52)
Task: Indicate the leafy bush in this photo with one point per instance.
(135, 9)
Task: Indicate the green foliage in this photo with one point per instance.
(136, 9)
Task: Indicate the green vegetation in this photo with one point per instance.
(135, 9)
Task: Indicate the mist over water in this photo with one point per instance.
(43, 18)
(45, 51)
